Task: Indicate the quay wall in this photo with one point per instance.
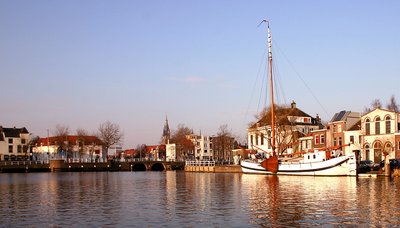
(214, 169)
(63, 166)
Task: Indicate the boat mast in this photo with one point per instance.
(271, 91)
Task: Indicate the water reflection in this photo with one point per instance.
(167, 199)
(314, 201)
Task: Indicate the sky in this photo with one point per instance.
(81, 63)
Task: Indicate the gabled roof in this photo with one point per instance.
(281, 114)
(14, 132)
(340, 116)
(382, 109)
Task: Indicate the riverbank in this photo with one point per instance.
(64, 166)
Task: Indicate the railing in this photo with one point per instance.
(4, 163)
(200, 163)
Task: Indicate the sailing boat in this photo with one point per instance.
(318, 163)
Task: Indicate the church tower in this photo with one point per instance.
(166, 132)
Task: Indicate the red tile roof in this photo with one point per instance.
(73, 139)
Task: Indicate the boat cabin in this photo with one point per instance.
(319, 156)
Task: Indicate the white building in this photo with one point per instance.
(74, 148)
(291, 124)
(170, 152)
(378, 130)
(202, 146)
(14, 143)
(352, 137)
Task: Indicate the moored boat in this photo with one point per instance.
(318, 163)
(310, 164)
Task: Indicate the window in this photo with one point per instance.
(367, 127)
(340, 141)
(352, 139)
(23, 141)
(256, 139)
(322, 139)
(339, 128)
(398, 145)
(334, 141)
(377, 126)
(262, 139)
(10, 149)
(10, 141)
(19, 149)
(334, 128)
(251, 139)
(387, 123)
(316, 139)
(367, 152)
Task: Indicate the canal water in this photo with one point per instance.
(182, 199)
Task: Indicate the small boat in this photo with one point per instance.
(316, 163)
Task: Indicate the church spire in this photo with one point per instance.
(166, 132)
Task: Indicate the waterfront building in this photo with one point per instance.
(379, 134)
(114, 151)
(352, 137)
(341, 122)
(72, 147)
(319, 141)
(14, 143)
(170, 152)
(306, 143)
(291, 124)
(202, 146)
(222, 147)
(397, 144)
(155, 152)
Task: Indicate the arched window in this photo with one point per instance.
(378, 152)
(377, 125)
(387, 123)
(367, 152)
(367, 127)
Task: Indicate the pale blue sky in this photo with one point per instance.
(80, 63)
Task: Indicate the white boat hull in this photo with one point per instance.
(339, 166)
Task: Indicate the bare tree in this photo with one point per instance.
(184, 147)
(61, 130)
(376, 104)
(392, 105)
(223, 144)
(141, 151)
(285, 132)
(61, 133)
(82, 141)
(110, 134)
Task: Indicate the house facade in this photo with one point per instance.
(339, 134)
(202, 146)
(379, 132)
(82, 148)
(222, 147)
(14, 144)
(292, 124)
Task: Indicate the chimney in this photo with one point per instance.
(293, 104)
